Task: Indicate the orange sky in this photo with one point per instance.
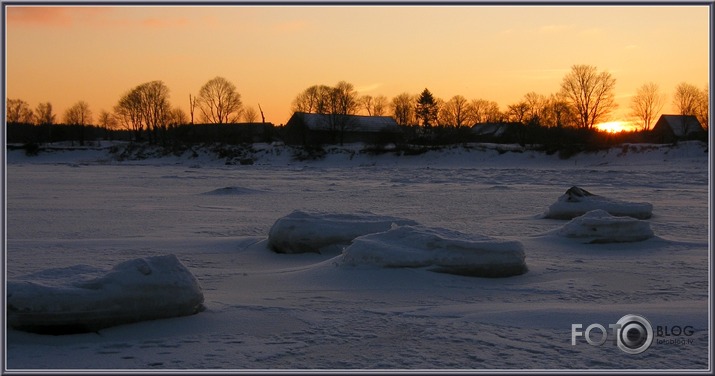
(271, 53)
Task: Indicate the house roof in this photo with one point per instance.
(680, 125)
(491, 129)
(354, 123)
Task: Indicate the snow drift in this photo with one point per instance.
(439, 250)
(597, 226)
(58, 301)
(303, 231)
(578, 201)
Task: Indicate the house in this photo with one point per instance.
(315, 129)
(495, 131)
(670, 128)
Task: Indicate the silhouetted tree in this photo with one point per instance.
(646, 104)
(403, 109)
(366, 102)
(485, 111)
(373, 106)
(192, 107)
(686, 98)
(177, 117)
(426, 108)
(590, 93)
(250, 115)
(44, 115)
(379, 105)
(558, 112)
(535, 106)
(219, 101)
(457, 112)
(79, 115)
(343, 103)
(314, 99)
(517, 112)
(106, 120)
(263, 117)
(702, 111)
(129, 112)
(155, 107)
(18, 111)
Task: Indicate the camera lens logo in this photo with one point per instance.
(634, 334)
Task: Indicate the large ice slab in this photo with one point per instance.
(59, 301)
(578, 201)
(313, 231)
(598, 226)
(439, 250)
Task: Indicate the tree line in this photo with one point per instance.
(144, 110)
(586, 98)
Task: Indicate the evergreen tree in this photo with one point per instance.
(426, 108)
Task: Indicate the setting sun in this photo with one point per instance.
(615, 126)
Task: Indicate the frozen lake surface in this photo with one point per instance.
(300, 311)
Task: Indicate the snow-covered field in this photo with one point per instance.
(275, 311)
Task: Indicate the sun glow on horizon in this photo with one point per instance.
(615, 126)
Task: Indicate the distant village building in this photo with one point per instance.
(671, 128)
(492, 132)
(315, 129)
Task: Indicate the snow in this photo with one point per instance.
(68, 300)
(76, 213)
(577, 201)
(439, 250)
(311, 231)
(598, 226)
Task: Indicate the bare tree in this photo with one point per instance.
(155, 107)
(250, 115)
(219, 101)
(590, 93)
(305, 101)
(177, 117)
(457, 112)
(314, 99)
(343, 103)
(374, 106)
(263, 117)
(344, 100)
(686, 98)
(44, 115)
(366, 102)
(79, 115)
(702, 111)
(485, 111)
(403, 109)
(536, 104)
(106, 120)
(379, 105)
(18, 111)
(192, 107)
(145, 107)
(558, 112)
(129, 112)
(646, 104)
(517, 112)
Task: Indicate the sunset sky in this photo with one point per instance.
(271, 53)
